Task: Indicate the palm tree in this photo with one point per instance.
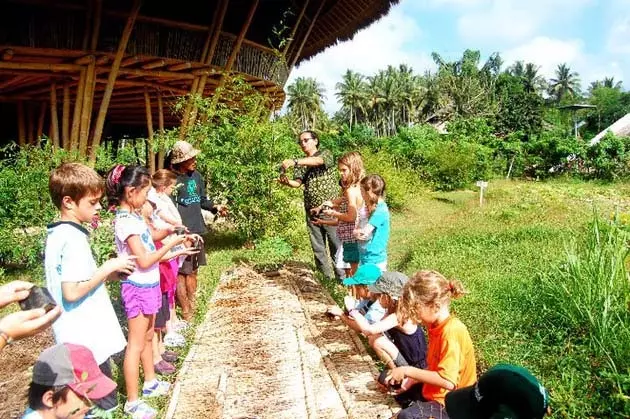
(565, 82)
(352, 92)
(306, 96)
(532, 81)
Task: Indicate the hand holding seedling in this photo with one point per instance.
(14, 291)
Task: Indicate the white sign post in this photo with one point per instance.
(481, 185)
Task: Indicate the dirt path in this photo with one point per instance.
(266, 350)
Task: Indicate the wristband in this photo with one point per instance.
(7, 339)
(295, 163)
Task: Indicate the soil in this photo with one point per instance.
(16, 362)
(267, 350)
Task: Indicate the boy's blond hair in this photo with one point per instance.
(163, 178)
(74, 180)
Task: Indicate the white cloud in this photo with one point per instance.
(508, 21)
(619, 37)
(386, 42)
(546, 53)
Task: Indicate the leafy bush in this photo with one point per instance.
(553, 152)
(609, 159)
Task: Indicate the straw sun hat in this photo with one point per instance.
(183, 151)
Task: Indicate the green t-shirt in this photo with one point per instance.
(320, 182)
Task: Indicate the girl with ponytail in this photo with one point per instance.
(451, 361)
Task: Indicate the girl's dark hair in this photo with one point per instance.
(121, 177)
(36, 393)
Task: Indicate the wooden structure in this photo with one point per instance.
(72, 69)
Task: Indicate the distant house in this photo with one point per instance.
(620, 128)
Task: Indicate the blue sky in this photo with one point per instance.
(591, 36)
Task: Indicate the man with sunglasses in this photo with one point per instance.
(317, 173)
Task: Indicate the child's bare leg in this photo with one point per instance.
(353, 268)
(146, 356)
(155, 345)
(135, 346)
(191, 288)
(182, 296)
(386, 350)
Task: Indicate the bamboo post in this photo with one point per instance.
(65, 117)
(295, 27)
(235, 50)
(76, 117)
(40, 121)
(308, 33)
(208, 54)
(160, 128)
(86, 107)
(188, 110)
(96, 24)
(150, 153)
(54, 121)
(30, 124)
(21, 128)
(113, 74)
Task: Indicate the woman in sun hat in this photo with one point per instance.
(190, 199)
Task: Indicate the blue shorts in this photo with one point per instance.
(351, 252)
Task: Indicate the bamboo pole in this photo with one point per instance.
(295, 27)
(21, 127)
(76, 117)
(199, 84)
(88, 25)
(235, 50)
(96, 24)
(40, 121)
(151, 153)
(54, 120)
(65, 118)
(160, 128)
(11, 65)
(308, 33)
(86, 108)
(30, 119)
(113, 74)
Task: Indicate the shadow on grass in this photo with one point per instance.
(223, 239)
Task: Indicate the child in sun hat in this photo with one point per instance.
(359, 298)
(504, 391)
(66, 378)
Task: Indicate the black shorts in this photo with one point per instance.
(193, 262)
(163, 315)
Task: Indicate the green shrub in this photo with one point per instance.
(609, 159)
(401, 183)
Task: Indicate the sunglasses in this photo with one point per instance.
(304, 140)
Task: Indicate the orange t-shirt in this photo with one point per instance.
(450, 354)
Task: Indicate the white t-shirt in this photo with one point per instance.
(128, 224)
(164, 205)
(90, 321)
(31, 414)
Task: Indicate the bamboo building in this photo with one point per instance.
(78, 71)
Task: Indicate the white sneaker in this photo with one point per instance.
(140, 410)
(156, 388)
(180, 325)
(174, 339)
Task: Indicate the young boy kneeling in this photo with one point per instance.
(66, 378)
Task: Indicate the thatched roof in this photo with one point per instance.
(341, 20)
(621, 128)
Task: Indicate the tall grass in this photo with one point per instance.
(587, 300)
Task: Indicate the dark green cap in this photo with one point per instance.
(504, 391)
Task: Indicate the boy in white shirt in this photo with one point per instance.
(72, 277)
